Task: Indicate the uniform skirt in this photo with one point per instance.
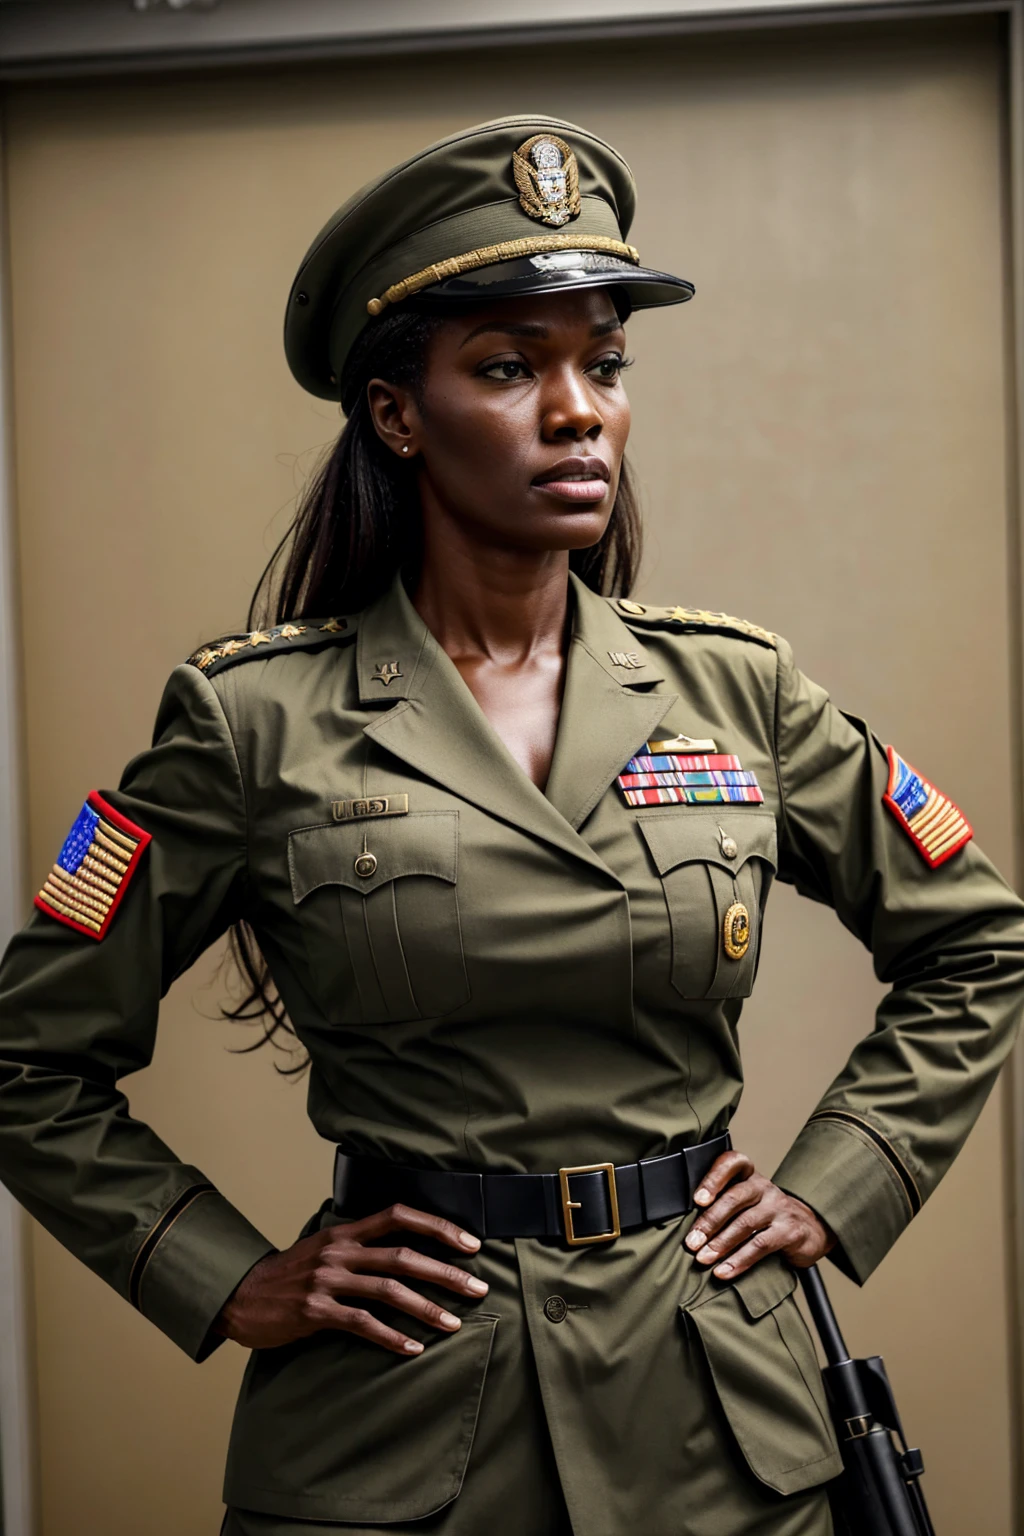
(593, 1391)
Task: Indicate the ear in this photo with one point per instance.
(395, 417)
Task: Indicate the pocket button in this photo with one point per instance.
(555, 1309)
(365, 865)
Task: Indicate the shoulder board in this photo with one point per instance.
(299, 635)
(692, 619)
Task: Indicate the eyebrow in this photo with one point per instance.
(534, 328)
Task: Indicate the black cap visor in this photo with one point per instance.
(553, 271)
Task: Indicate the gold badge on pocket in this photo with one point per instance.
(736, 931)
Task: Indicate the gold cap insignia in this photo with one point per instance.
(548, 179)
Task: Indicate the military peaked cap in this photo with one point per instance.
(520, 205)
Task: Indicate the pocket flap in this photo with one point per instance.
(333, 1430)
(692, 834)
(766, 1374)
(419, 843)
(764, 1286)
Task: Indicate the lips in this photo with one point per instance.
(579, 478)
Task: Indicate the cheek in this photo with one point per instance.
(618, 420)
(468, 442)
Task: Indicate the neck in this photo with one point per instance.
(502, 605)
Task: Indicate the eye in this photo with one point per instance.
(505, 369)
(607, 369)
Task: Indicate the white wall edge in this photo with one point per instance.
(17, 1399)
(48, 38)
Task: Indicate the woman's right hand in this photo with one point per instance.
(314, 1283)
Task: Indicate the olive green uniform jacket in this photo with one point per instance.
(527, 980)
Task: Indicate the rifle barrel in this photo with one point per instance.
(832, 1342)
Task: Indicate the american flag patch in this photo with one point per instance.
(935, 826)
(93, 869)
(673, 778)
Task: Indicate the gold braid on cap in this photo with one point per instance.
(487, 255)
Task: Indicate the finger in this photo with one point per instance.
(333, 1314)
(404, 1217)
(723, 1170)
(406, 1261)
(746, 1224)
(386, 1289)
(770, 1240)
(737, 1198)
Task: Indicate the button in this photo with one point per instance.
(555, 1309)
(729, 847)
(365, 865)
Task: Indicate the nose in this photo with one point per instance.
(570, 410)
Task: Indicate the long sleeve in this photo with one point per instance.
(79, 1012)
(947, 939)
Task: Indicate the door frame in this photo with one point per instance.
(105, 38)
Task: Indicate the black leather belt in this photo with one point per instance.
(591, 1203)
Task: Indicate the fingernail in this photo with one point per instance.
(723, 1270)
(468, 1240)
(707, 1255)
(478, 1287)
(694, 1239)
(412, 1348)
(702, 1196)
(449, 1320)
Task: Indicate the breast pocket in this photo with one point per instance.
(378, 904)
(716, 867)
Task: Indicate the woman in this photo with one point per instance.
(505, 845)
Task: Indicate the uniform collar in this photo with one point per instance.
(614, 647)
(392, 644)
(436, 726)
(608, 709)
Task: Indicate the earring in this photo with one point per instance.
(405, 447)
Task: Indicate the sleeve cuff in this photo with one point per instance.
(200, 1254)
(844, 1174)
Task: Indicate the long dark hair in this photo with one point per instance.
(356, 526)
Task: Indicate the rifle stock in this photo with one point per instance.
(878, 1492)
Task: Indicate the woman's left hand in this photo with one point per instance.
(744, 1216)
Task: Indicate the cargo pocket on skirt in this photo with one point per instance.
(767, 1377)
(337, 1429)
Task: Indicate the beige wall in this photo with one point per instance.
(822, 438)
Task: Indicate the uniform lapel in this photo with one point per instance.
(436, 726)
(611, 705)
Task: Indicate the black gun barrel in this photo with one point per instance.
(878, 1493)
(832, 1342)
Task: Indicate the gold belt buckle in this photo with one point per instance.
(569, 1205)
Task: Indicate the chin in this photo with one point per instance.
(574, 528)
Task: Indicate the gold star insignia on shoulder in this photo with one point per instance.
(713, 620)
(204, 658)
(291, 631)
(260, 637)
(333, 627)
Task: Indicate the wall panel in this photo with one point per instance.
(821, 437)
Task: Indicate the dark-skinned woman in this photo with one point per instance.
(496, 840)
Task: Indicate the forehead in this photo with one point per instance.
(563, 314)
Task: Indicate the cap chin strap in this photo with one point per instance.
(487, 255)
